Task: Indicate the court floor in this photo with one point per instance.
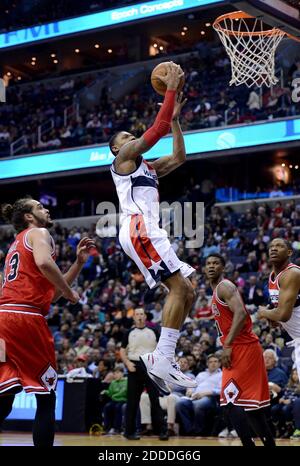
(24, 439)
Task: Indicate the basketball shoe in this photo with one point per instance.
(159, 367)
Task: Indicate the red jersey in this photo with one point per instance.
(24, 285)
(224, 316)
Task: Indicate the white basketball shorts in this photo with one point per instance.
(149, 247)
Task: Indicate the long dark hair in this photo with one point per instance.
(14, 214)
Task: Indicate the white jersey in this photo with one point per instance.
(138, 191)
(292, 326)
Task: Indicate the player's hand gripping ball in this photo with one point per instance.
(160, 86)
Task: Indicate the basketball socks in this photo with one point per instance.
(167, 342)
(258, 421)
(238, 419)
(6, 403)
(44, 423)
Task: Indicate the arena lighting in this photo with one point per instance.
(283, 164)
(33, 63)
(99, 20)
(109, 50)
(207, 25)
(155, 46)
(202, 33)
(296, 167)
(76, 50)
(161, 47)
(217, 141)
(53, 55)
(8, 73)
(96, 46)
(33, 59)
(291, 166)
(19, 78)
(55, 61)
(185, 28)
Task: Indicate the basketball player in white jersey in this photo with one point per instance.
(140, 236)
(284, 290)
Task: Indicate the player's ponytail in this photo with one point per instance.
(7, 211)
(14, 214)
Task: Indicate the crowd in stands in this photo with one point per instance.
(211, 103)
(34, 12)
(88, 335)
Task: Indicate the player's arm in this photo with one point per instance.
(82, 253)
(162, 123)
(230, 295)
(39, 240)
(289, 289)
(167, 164)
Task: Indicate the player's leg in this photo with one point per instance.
(160, 364)
(297, 358)
(178, 304)
(238, 419)
(44, 423)
(6, 404)
(190, 299)
(152, 252)
(258, 421)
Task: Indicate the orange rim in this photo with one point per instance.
(242, 15)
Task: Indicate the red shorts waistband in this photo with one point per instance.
(21, 309)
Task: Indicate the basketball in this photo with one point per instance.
(158, 85)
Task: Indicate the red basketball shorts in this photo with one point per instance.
(27, 356)
(245, 383)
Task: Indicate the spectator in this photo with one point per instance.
(192, 408)
(117, 392)
(277, 377)
(282, 412)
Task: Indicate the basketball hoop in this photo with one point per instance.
(251, 48)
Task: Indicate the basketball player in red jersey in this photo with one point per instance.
(244, 379)
(140, 235)
(31, 282)
(284, 291)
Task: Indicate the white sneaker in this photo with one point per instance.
(112, 432)
(233, 434)
(169, 372)
(147, 361)
(224, 433)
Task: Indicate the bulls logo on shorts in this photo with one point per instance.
(49, 378)
(231, 392)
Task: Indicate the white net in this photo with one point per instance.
(251, 49)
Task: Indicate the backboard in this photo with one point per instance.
(283, 14)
